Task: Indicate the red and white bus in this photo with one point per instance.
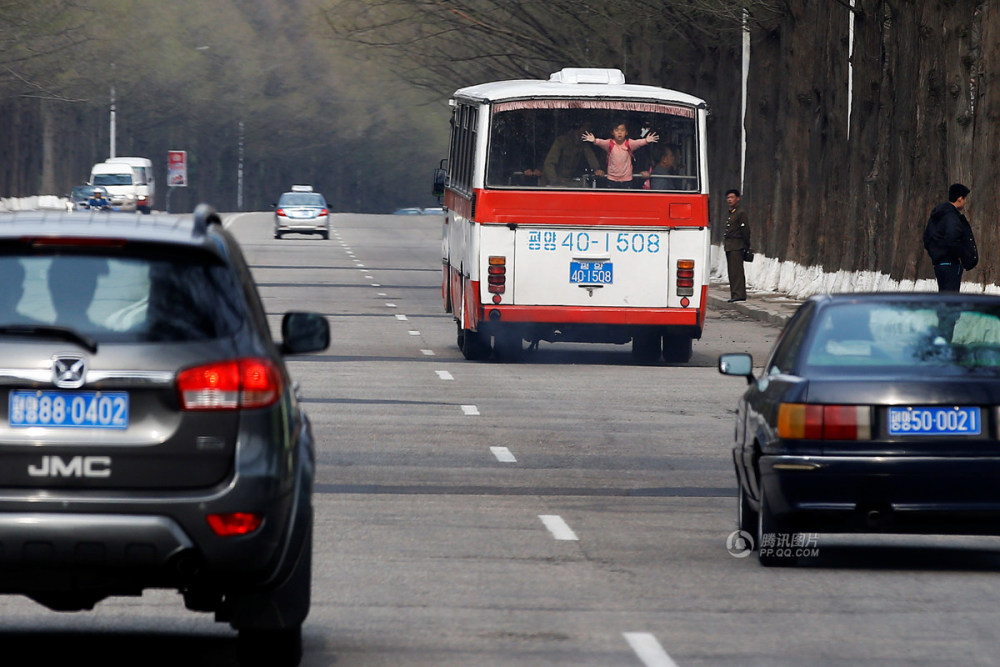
(538, 246)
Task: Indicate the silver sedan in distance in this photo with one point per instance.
(301, 211)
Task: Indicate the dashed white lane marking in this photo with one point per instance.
(377, 285)
(444, 375)
(401, 317)
(648, 649)
(503, 455)
(381, 293)
(369, 277)
(414, 333)
(390, 305)
(559, 528)
(470, 410)
(427, 353)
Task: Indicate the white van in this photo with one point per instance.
(142, 176)
(118, 181)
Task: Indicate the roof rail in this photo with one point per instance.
(205, 215)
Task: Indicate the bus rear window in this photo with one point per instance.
(538, 144)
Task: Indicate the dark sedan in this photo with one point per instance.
(874, 413)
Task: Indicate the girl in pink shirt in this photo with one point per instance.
(620, 155)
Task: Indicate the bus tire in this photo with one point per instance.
(646, 347)
(677, 348)
(475, 346)
(508, 346)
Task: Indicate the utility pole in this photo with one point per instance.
(239, 172)
(113, 110)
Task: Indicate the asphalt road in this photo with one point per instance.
(571, 509)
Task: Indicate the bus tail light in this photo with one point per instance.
(497, 277)
(798, 421)
(685, 277)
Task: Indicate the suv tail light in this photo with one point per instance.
(230, 385)
(234, 523)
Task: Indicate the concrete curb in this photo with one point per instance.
(771, 308)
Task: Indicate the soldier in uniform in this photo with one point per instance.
(735, 240)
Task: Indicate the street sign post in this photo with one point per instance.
(176, 172)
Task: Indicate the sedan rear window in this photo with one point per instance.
(945, 336)
(302, 199)
(121, 298)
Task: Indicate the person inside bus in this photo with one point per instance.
(569, 158)
(621, 153)
(665, 167)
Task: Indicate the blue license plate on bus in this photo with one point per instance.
(935, 421)
(69, 409)
(591, 273)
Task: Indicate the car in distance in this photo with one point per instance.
(874, 413)
(150, 433)
(408, 211)
(301, 211)
(81, 194)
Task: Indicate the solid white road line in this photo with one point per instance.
(559, 528)
(648, 649)
(470, 410)
(503, 455)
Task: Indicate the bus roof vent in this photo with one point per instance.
(588, 75)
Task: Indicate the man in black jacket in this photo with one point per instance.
(735, 240)
(949, 240)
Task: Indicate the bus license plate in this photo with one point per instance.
(934, 421)
(591, 273)
(69, 409)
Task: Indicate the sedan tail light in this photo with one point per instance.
(230, 385)
(799, 421)
(280, 211)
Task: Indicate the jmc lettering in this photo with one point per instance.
(77, 466)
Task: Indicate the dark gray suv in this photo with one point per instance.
(150, 434)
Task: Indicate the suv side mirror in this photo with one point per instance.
(304, 332)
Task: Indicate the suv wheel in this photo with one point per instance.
(271, 648)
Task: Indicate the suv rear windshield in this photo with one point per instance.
(122, 298)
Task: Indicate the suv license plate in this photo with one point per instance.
(935, 421)
(69, 409)
(591, 273)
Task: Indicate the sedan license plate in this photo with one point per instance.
(935, 421)
(69, 409)
(591, 273)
